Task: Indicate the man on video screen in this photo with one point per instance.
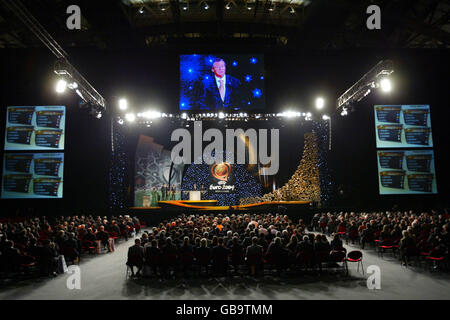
(221, 91)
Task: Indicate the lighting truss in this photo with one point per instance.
(85, 90)
(364, 85)
(62, 66)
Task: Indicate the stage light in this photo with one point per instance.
(152, 114)
(123, 104)
(120, 121)
(289, 114)
(99, 115)
(320, 102)
(183, 116)
(344, 111)
(130, 117)
(385, 85)
(61, 86)
(73, 85)
(292, 10)
(141, 10)
(325, 117)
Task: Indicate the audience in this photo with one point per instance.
(40, 241)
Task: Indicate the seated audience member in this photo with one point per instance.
(11, 257)
(367, 236)
(186, 255)
(352, 232)
(49, 259)
(103, 236)
(153, 256)
(169, 256)
(71, 248)
(407, 247)
(336, 243)
(237, 254)
(305, 251)
(220, 258)
(203, 255)
(136, 257)
(255, 256)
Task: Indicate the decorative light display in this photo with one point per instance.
(118, 169)
(326, 183)
(246, 185)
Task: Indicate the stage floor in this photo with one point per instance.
(211, 205)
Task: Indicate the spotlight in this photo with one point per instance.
(99, 115)
(123, 104)
(221, 115)
(344, 111)
(120, 121)
(130, 117)
(320, 102)
(385, 85)
(61, 86)
(152, 114)
(325, 117)
(141, 10)
(73, 85)
(183, 116)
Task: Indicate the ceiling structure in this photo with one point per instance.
(312, 24)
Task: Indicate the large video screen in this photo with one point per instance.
(406, 171)
(403, 126)
(222, 82)
(32, 175)
(35, 128)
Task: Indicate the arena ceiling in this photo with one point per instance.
(312, 24)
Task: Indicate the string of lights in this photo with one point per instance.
(117, 170)
(326, 185)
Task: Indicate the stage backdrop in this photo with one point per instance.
(155, 176)
(153, 166)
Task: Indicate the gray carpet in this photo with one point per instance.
(104, 277)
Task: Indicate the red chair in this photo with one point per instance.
(387, 244)
(342, 230)
(113, 235)
(89, 246)
(436, 256)
(355, 256)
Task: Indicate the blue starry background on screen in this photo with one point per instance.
(247, 68)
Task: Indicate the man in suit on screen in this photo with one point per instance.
(221, 91)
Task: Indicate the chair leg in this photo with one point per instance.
(362, 267)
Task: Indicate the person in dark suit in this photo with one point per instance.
(220, 258)
(136, 257)
(103, 236)
(221, 91)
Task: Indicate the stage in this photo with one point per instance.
(167, 209)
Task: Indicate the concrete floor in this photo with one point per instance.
(104, 277)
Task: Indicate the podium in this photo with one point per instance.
(195, 195)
